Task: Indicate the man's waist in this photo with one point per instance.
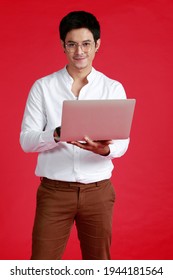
(57, 183)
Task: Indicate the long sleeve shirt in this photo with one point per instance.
(64, 161)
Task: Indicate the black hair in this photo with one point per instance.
(79, 19)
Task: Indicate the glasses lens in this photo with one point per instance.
(86, 46)
(72, 47)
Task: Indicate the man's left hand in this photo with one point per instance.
(98, 147)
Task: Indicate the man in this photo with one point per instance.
(75, 177)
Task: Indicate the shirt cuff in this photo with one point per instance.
(118, 148)
(47, 136)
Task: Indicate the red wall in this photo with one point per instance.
(136, 50)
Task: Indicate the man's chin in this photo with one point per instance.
(80, 66)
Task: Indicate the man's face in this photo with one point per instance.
(80, 48)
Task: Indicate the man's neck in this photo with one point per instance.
(79, 74)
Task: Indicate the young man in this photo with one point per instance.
(75, 177)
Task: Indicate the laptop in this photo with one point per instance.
(97, 119)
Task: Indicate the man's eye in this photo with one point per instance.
(86, 44)
(71, 45)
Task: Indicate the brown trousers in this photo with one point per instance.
(59, 204)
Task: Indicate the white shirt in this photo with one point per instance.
(63, 161)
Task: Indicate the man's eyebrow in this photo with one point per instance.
(85, 41)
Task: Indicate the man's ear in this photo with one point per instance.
(63, 45)
(98, 43)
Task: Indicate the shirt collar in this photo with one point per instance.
(69, 79)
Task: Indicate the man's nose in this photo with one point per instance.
(79, 49)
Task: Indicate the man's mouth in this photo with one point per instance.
(79, 57)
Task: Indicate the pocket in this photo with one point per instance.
(112, 191)
(107, 192)
(44, 193)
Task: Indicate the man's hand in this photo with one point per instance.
(98, 147)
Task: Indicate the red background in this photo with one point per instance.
(136, 49)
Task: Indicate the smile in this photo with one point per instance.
(79, 57)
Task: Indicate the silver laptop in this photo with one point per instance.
(97, 119)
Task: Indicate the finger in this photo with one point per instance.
(79, 145)
(75, 143)
(89, 141)
(104, 141)
(107, 142)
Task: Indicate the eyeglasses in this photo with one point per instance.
(85, 46)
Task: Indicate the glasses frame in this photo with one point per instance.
(77, 45)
